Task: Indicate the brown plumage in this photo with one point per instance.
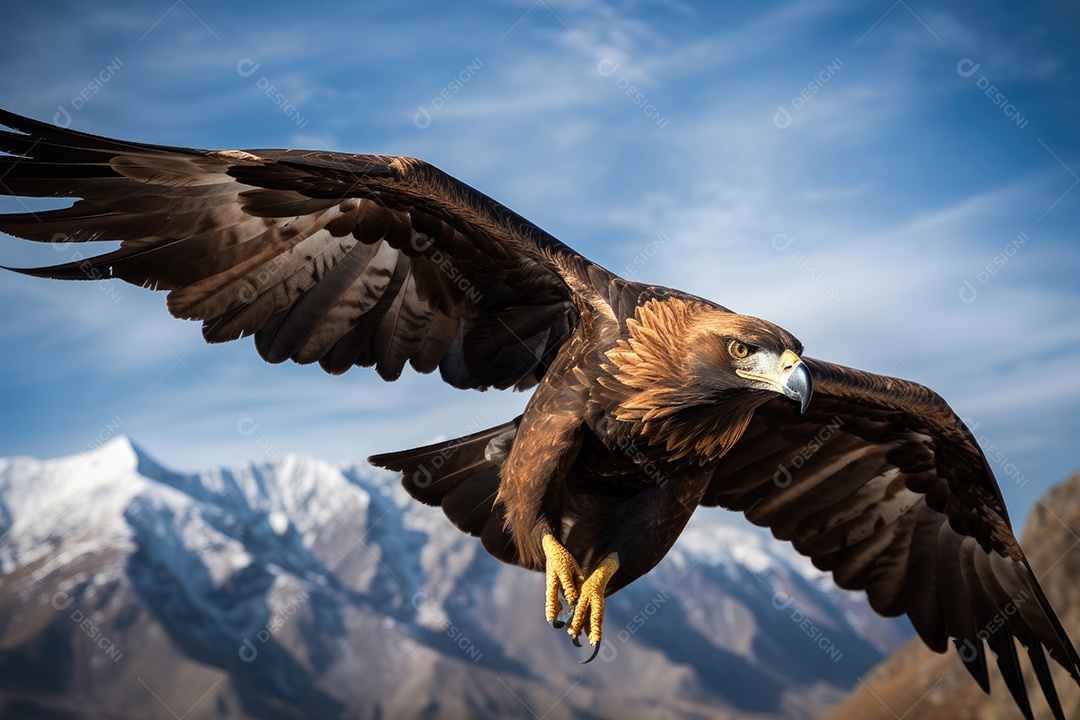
(649, 402)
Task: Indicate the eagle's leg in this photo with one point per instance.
(590, 605)
(562, 573)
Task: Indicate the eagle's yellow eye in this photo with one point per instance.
(738, 349)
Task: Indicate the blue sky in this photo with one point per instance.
(893, 183)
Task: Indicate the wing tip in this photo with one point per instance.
(64, 271)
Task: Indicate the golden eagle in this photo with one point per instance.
(648, 401)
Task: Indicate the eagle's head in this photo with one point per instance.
(730, 354)
(690, 375)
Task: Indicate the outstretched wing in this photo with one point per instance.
(341, 259)
(883, 485)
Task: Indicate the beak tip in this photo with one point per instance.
(800, 386)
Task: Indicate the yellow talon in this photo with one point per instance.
(563, 573)
(591, 603)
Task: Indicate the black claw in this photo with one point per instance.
(574, 639)
(560, 620)
(595, 652)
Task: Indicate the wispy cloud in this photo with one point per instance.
(651, 138)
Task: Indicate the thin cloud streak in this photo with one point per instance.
(897, 180)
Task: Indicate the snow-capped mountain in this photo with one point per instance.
(300, 589)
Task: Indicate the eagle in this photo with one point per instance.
(647, 402)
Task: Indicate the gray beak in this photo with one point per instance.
(799, 386)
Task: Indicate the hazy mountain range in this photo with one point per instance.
(295, 588)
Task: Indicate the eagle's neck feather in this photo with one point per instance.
(657, 398)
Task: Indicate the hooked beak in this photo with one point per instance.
(789, 376)
(799, 386)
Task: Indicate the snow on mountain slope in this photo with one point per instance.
(296, 588)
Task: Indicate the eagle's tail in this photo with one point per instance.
(462, 477)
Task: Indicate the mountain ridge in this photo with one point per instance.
(293, 586)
